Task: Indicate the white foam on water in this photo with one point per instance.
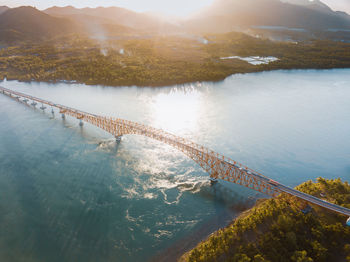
(163, 233)
(149, 195)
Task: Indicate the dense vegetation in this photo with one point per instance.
(158, 61)
(278, 230)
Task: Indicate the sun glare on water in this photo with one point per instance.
(177, 111)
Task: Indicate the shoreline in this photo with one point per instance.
(184, 256)
(267, 229)
(199, 82)
(202, 232)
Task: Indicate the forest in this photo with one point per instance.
(162, 60)
(284, 229)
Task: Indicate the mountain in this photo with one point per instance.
(28, 23)
(3, 9)
(314, 4)
(109, 15)
(228, 15)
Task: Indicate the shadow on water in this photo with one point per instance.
(220, 195)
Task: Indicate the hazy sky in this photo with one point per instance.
(174, 7)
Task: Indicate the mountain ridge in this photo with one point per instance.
(29, 23)
(3, 9)
(228, 14)
(118, 15)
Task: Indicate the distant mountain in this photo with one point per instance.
(314, 4)
(3, 9)
(108, 15)
(28, 23)
(228, 15)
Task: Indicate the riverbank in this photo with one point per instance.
(220, 220)
(284, 229)
(163, 61)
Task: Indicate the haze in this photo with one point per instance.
(169, 7)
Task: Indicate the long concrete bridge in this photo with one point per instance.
(218, 166)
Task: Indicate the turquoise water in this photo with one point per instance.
(73, 194)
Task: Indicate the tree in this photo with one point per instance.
(259, 258)
(241, 258)
(301, 256)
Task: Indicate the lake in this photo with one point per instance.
(71, 193)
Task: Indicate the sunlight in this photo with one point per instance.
(177, 111)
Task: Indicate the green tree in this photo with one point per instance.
(259, 258)
(241, 258)
(301, 256)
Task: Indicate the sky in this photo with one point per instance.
(170, 7)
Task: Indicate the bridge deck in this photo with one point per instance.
(218, 166)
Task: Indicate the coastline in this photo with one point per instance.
(275, 229)
(170, 84)
(204, 231)
(184, 256)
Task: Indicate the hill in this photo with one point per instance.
(99, 27)
(229, 15)
(284, 229)
(315, 4)
(3, 9)
(115, 15)
(28, 23)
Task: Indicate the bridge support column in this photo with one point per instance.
(118, 138)
(63, 116)
(34, 103)
(213, 181)
(42, 107)
(81, 123)
(52, 111)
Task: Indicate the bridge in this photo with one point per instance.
(218, 166)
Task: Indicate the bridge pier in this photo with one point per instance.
(81, 123)
(42, 107)
(62, 112)
(118, 138)
(25, 100)
(213, 181)
(34, 103)
(52, 111)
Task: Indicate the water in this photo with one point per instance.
(72, 194)
(254, 60)
(280, 28)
